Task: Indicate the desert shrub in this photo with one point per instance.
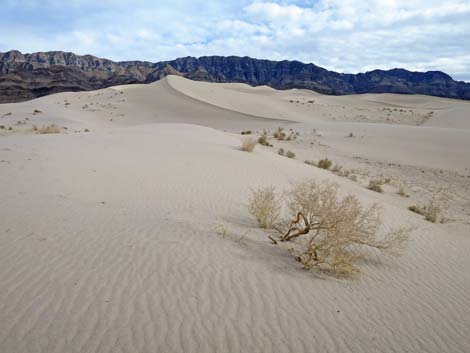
(246, 132)
(312, 163)
(279, 134)
(375, 185)
(351, 135)
(290, 154)
(416, 209)
(265, 206)
(280, 151)
(2, 127)
(49, 129)
(36, 111)
(248, 144)
(324, 163)
(434, 210)
(331, 231)
(263, 140)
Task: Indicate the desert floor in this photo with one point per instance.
(129, 231)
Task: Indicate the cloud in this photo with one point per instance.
(342, 35)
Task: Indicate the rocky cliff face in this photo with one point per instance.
(27, 76)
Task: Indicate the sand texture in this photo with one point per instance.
(128, 231)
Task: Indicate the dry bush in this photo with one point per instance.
(290, 154)
(281, 151)
(279, 134)
(263, 140)
(265, 205)
(248, 144)
(330, 231)
(324, 163)
(375, 185)
(416, 209)
(50, 129)
(246, 132)
(434, 210)
(336, 228)
(312, 163)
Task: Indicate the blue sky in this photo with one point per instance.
(346, 36)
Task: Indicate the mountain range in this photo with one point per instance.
(28, 76)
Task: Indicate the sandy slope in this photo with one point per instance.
(111, 240)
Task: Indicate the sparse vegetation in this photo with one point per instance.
(312, 163)
(50, 129)
(265, 206)
(263, 140)
(280, 151)
(246, 132)
(351, 135)
(290, 154)
(279, 134)
(375, 185)
(435, 209)
(248, 144)
(36, 111)
(324, 163)
(330, 231)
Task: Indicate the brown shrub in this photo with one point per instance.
(331, 231)
(324, 163)
(375, 185)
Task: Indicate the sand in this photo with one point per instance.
(135, 236)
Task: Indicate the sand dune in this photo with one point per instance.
(110, 241)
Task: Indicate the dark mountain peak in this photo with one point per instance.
(25, 76)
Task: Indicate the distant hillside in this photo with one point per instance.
(27, 76)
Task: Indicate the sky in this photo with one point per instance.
(341, 35)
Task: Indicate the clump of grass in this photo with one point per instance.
(36, 111)
(375, 185)
(290, 154)
(281, 151)
(351, 135)
(246, 132)
(312, 163)
(324, 163)
(2, 127)
(248, 144)
(49, 129)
